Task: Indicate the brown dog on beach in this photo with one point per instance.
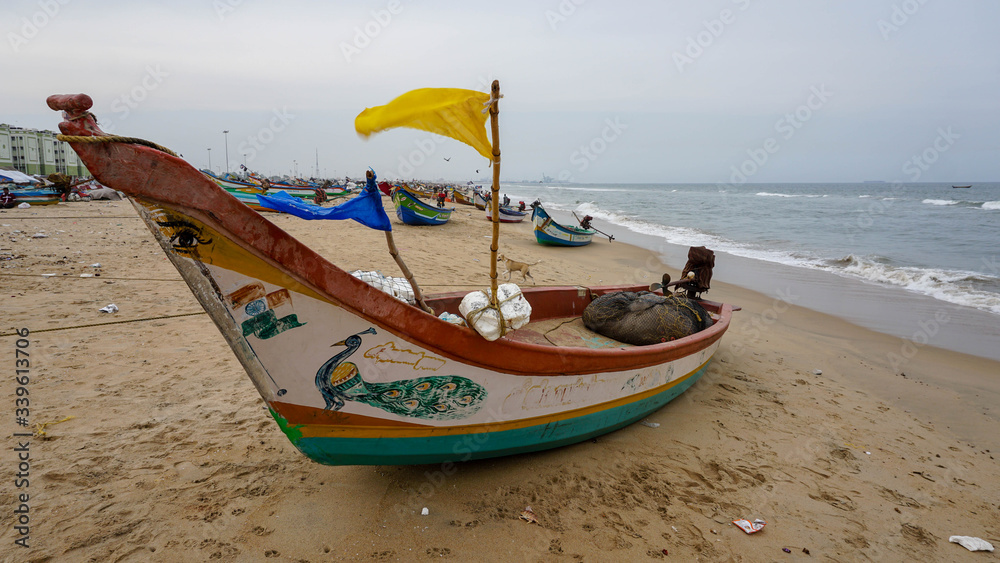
(515, 266)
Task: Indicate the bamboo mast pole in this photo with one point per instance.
(495, 200)
(394, 252)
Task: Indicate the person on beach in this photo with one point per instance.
(441, 197)
(7, 200)
(506, 200)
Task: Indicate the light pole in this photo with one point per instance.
(244, 160)
(210, 159)
(226, 133)
(295, 168)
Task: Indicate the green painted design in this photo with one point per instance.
(268, 325)
(293, 433)
(436, 397)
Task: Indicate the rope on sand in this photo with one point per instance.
(33, 331)
(69, 277)
(114, 139)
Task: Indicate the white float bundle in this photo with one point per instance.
(396, 287)
(514, 308)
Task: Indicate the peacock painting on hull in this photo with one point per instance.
(436, 397)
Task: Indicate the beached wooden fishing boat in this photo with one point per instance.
(462, 197)
(548, 232)
(36, 196)
(301, 192)
(412, 211)
(354, 376)
(479, 200)
(507, 214)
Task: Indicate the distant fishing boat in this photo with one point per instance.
(35, 196)
(479, 200)
(969, 186)
(507, 214)
(463, 198)
(548, 232)
(412, 211)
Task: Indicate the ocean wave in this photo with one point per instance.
(940, 201)
(952, 286)
(771, 194)
(992, 205)
(863, 196)
(577, 189)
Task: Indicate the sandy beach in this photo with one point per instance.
(154, 445)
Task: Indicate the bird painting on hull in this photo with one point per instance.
(436, 397)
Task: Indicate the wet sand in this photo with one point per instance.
(847, 442)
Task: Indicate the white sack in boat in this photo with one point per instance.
(396, 287)
(515, 309)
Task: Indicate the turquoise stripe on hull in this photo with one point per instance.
(545, 238)
(439, 449)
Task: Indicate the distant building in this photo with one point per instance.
(37, 153)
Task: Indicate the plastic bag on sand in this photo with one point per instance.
(112, 308)
(750, 527)
(24, 205)
(515, 309)
(971, 543)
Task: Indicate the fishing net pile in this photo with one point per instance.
(645, 318)
(396, 287)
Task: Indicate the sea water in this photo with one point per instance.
(888, 256)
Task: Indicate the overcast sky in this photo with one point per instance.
(716, 91)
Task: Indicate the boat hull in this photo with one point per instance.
(550, 233)
(411, 211)
(36, 197)
(401, 449)
(507, 215)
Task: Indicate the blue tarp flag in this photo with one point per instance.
(365, 208)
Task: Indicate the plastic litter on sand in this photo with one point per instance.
(971, 543)
(112, 308)
(750, 527)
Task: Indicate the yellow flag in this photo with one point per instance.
(452, 112)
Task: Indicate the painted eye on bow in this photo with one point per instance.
(184, 237)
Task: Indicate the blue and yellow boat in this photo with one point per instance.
(411, 211)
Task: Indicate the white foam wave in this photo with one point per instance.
(940, 201)
(947, 285)
(863, 196)
(578, 189)
(992, 205)
(771, 194)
